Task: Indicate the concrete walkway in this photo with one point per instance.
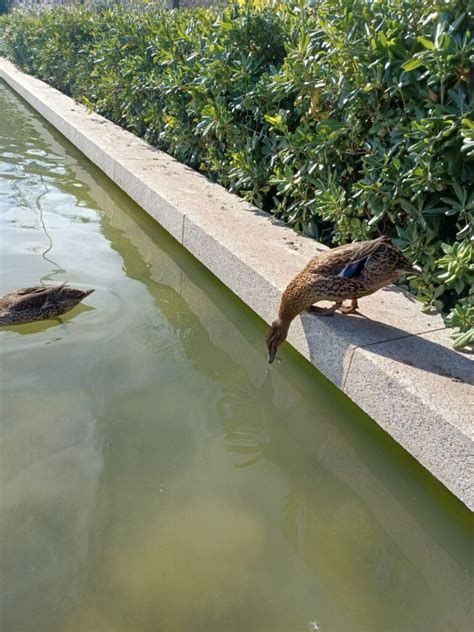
(395, 362)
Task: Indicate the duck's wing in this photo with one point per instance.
(354, 269)
(33, 297)
(347, 261)
(29, 290)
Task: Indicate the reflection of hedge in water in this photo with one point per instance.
(347, 122)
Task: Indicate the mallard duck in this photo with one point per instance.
(346, 272)
(39, 303)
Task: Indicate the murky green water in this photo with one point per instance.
(156, 476)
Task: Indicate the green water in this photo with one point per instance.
(155, 475)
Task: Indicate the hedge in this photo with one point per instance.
(347, 118)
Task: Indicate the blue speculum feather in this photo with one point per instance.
(353, 269)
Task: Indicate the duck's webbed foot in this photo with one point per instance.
(324, 311)
(350, 309)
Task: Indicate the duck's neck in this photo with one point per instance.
(283, 326)
(292, 303)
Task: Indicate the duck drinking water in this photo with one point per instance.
(344, 273)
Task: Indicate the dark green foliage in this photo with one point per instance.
(347, 119)
(5, 6)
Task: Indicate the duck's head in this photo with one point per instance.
(405, 267)
(275, 337)
(408, 269)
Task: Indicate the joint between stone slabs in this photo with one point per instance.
(346, 374)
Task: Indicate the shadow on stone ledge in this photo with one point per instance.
(329, 340)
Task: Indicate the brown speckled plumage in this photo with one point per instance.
(38, 303)
(346, 272)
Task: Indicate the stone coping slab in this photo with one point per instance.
(393, 361)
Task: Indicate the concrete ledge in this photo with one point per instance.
(395, 362)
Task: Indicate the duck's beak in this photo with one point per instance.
(411, 270)
(271, 354)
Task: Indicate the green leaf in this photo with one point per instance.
(461, 193)
(415, 63)
(463, 340)
(425, 42)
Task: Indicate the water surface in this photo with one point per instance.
(155, 474)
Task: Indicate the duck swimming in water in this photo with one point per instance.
(39, 303)
(346, 272)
